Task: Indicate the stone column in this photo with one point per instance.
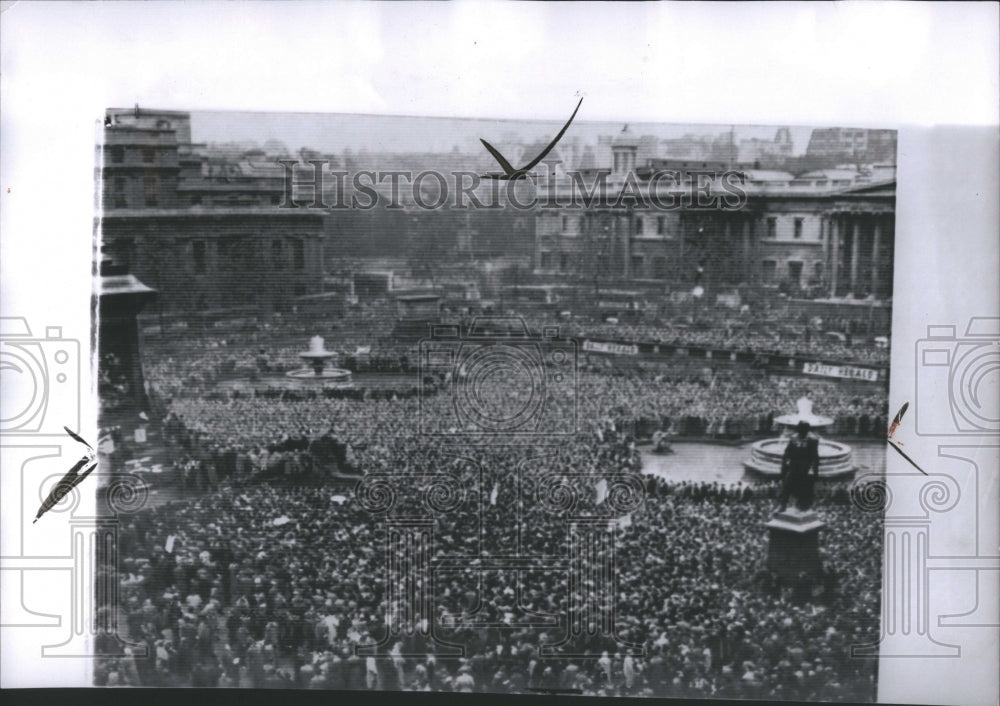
(682, 223)
(746, 249)
(625, 224)
(835, 230)
(876, 246)
(727, 238)
(855, 250)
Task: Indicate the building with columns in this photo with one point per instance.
(823, 235)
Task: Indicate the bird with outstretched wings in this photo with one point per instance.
(509, 172)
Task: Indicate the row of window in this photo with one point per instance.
(769, 268)
(117, 154)
(199, 253)
(567, 264)
(150, 188)
(237, 200)
(772, 228)
(575, 223)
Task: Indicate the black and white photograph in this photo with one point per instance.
(491, 352)
(407, 417)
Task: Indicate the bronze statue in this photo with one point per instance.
(799, 468)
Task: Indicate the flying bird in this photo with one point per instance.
(74, 476)
(509, 172)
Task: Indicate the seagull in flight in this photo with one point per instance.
(511, 174)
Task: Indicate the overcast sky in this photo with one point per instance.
(333, 132)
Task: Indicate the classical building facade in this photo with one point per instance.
(223, 258)
(830, 238)
(206, 232)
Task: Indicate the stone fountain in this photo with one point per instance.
(835, 458)
(317, 357)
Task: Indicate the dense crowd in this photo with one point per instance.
(195, 362)
(240, 600)
(262, 579)
(747, 336)
(241, 436)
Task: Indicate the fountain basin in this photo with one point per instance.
(317, 357)
(330, 374)
(836, 461)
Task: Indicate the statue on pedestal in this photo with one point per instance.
(799, 468)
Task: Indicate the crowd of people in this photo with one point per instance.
(269, 586)
(729, 406)
(272, 570)
(737, 336)
(171, 367)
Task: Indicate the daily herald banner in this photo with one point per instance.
(840, 371)
(612, 348)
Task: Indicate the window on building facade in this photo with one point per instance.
(637, 270)
(768, 270)
(565, 223)
(798, 228)
(198, 255)
(639, 225)
(795, 271)
(546, 260)
(659, 267)
(118, 199)
(818, 269)
(196, 200)
(563, 262)
(117, 154)
(151, 187)
(772, 228)
(148, 155)
(299, 254)
(277, 254)
(603, 264)
(661, 225)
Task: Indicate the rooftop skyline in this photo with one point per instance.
(390, 133)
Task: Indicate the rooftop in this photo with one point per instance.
(626, 138)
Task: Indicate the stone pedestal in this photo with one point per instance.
(793, 544)
(121, 298)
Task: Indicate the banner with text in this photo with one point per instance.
(612, 348)
(840, 371)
